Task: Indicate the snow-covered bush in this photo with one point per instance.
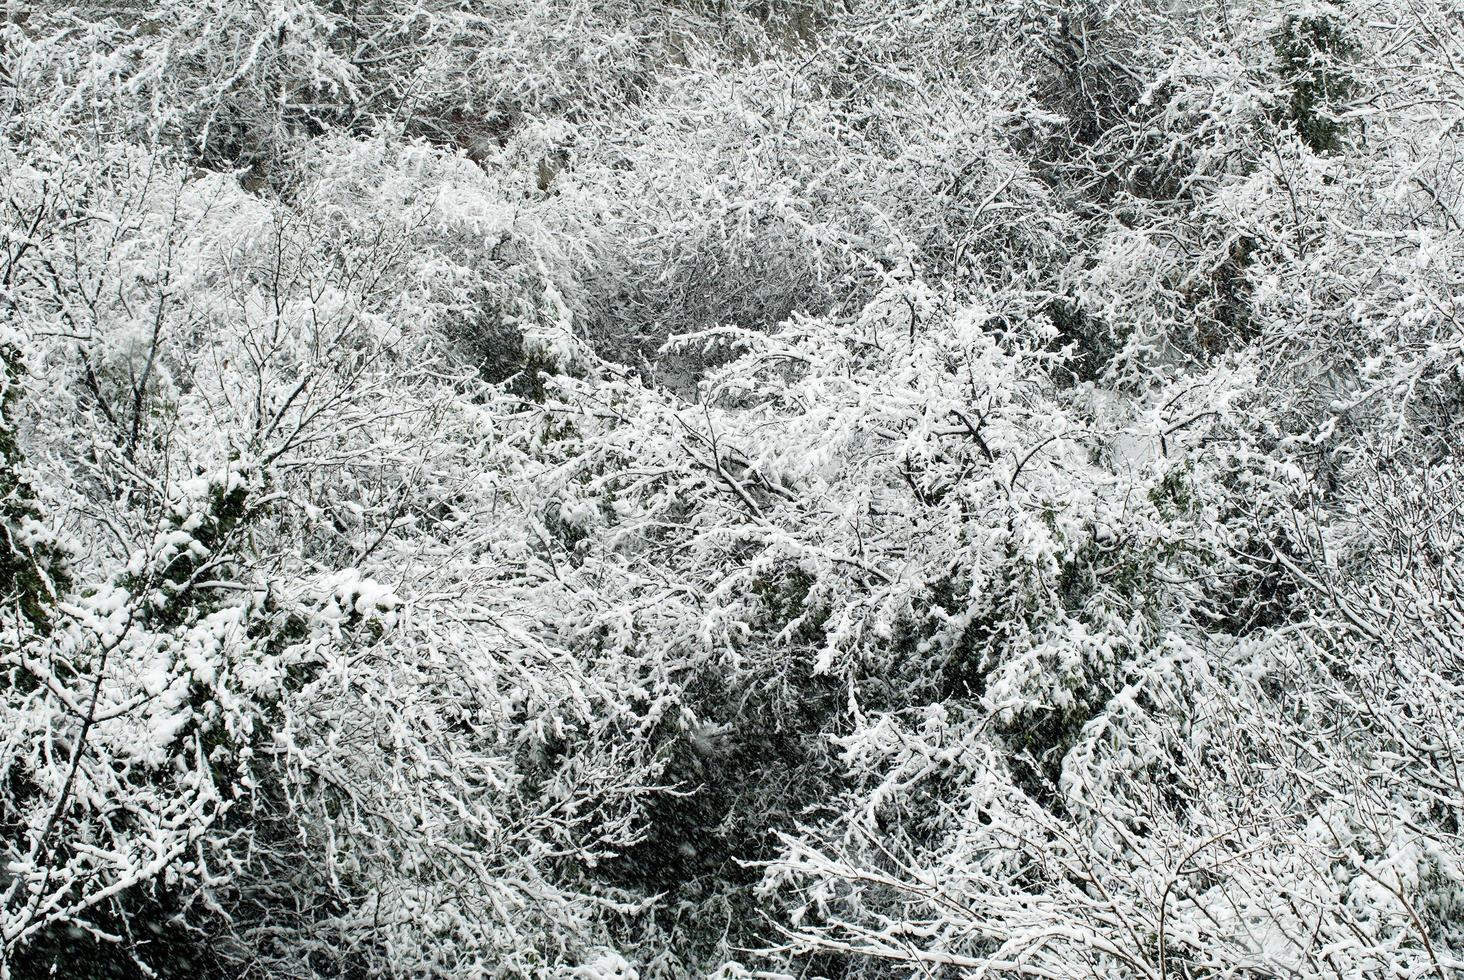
(647, 490)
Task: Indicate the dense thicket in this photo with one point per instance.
(668, 488)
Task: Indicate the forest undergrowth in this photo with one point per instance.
(649, 489)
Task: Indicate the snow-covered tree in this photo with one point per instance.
(574, 489)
